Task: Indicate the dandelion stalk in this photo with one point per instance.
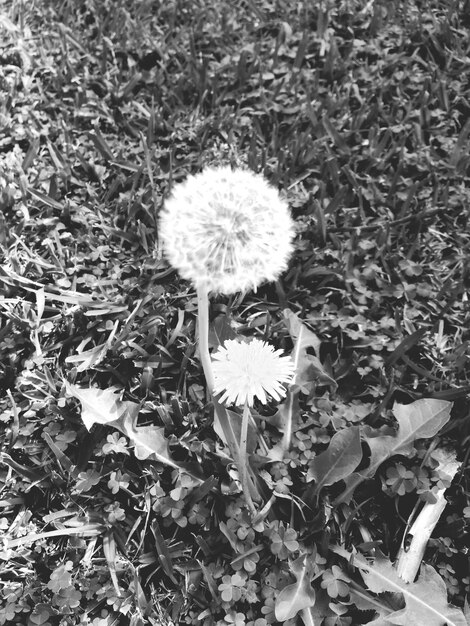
(243, 371)
(203, 334)
(244, 461)
(238, 449)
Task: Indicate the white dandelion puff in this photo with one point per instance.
(245, 370)
(226, 230)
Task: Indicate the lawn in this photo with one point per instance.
(130, 494)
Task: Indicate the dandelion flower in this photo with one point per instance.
(226, 230)
(245, 370)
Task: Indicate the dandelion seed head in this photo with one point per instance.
(228, 230)
(245, 370)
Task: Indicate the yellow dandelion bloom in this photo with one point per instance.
(226, 230)
(245, 370)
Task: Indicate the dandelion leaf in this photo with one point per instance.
(103, 407)
(383, 604)
(100, 406)
(308, 368)
(150, 443)
(341, 457)
(425, 600)
(419, 420)
(298, 596)
(303, 336)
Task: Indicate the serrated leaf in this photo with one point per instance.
(298, 596)
(419, 420)
(150, 443)
(425, 599)
(99, 406)
(341, 457)
(308, 368)
(304, 337)
(103, 407)
(365, 601)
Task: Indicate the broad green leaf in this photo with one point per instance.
(307, 617)
(99, 406)
(341, 457)
(425, 599)
(298, 596)
(419, 420)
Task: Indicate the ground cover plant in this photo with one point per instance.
(128, 494)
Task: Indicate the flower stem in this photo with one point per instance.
(243, 459)
(239, 450)
(203, 335)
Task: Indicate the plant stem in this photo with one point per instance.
(243, 459)
(238, 450)
(203, 335)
